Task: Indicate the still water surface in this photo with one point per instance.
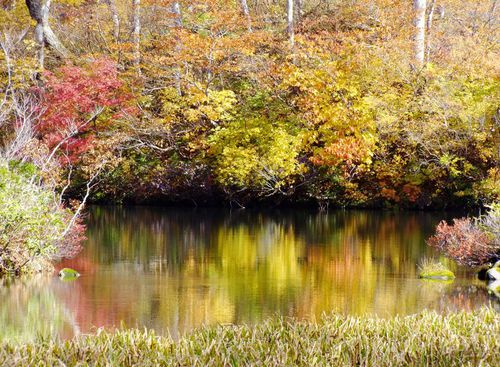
(175, 269)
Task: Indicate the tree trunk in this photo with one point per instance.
(176, 9)
(493, 9)
(430, 15)
(419, 7)
(40, 11)
(136, 33)
(115, 18)
(290, 29)
(246, 13)
(300, 9)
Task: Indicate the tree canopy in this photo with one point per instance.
(355, 103)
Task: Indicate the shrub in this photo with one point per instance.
(490, 223)
(32, 225)
(470, 242)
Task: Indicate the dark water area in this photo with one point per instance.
(175, 269)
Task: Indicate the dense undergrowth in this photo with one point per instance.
(425, 339)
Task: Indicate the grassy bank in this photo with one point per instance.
(459, 339)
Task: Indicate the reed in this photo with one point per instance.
(424, 339)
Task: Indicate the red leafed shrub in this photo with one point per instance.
(464, 242)
(78, 102)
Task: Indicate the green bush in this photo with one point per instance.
(32, 222)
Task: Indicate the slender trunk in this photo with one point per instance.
(40, 12)
(290, 29)
(176, 9)
(300, 9)
(493, 8)
(39, 38)
(419, 7)
(246, 13)
(441, 11)
(115, 18)
(136, 33)
(430, 15)
(50, 37)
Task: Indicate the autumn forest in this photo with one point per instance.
(249, 182)
(348, 103)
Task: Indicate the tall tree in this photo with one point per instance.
(176, 9)
(430, 15)
(300, 9)
(40, 11)
(246, 13)
(290, 29)
(419, 8)
(136, 32)
(116, 19)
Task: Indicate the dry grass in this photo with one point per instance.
(425, 339)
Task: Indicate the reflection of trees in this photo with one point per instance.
(29, 309)
(181, 268)
(466, 296)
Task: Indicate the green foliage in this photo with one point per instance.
(31, 222)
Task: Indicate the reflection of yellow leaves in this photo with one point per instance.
(272, 250)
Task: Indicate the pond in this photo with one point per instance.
(176, 269)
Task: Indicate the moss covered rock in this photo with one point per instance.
(68, 274)
(430, 269)
(437, 274)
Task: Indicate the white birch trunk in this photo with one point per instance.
(176, 9)
(40, 12)
(430, 15)
(300, 9)
(290, 29)
(246, 13)
(136, 32)
(115, 18)
(419, 7)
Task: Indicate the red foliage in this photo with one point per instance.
(463, 242)
(72, 96)
(347, 152)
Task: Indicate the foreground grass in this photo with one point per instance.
(460, 339)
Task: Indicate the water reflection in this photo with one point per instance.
(175, 269)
